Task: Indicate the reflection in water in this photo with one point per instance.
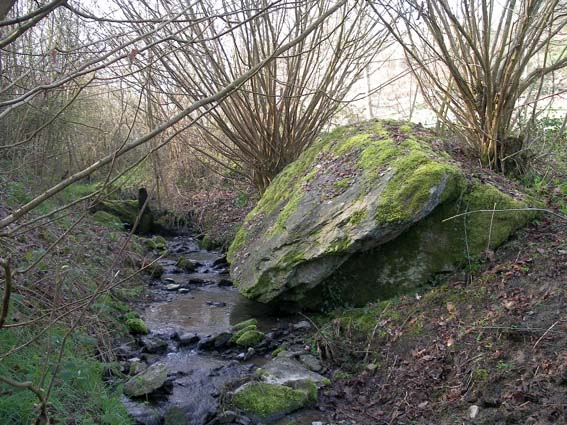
(196, 312)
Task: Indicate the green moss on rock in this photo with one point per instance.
(137, 326)
(250, 338)
(127, 212)
(488, 230)
(269, 401)
(410, 188)
(242, 331)
(244, 324)
(186, 264)
(107, 219)
(312, 218)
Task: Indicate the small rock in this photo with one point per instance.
(226, 417)
(183, 290)
(220, 261)
(222, 340)
(225, 282)
(311, 362)
(250, 338)
(206, 343)
(473, 411)
(188, 339)
(152, 379)
(317, 423)
(288, 354)
(175, 416)
(187, 264)
(263, 401)
(304, 325)
(154, 345)
(286, 371)
(241, 325)
(172, 287)
(216, 303)
(168, 279)
(137, 366)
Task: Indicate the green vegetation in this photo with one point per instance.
(137, 326)
(70, 275)
(242, 331)
(78, 393)
(250, 338)
(269, 401)
(241, 325)
(108, 220)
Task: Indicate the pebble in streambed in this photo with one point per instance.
(205, 357)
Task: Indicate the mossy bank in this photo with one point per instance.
(69, 307)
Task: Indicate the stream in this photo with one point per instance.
(190, 321)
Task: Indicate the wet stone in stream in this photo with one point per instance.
(192, 336)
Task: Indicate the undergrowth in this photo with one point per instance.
(55, 298)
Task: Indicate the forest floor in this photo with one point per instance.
(487, 347)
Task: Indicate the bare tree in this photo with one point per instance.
(476, 59)
(276, 114)
(99, 61)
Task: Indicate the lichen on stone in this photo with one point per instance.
(358, 188)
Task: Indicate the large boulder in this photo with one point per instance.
(380, 190)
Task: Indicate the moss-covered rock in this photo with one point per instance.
(157, 243)
(267, 402)
(356, 191)
(241, 325)
(146, 382)
(249, 338)
(137, 326)
(242, 331)
(187, 264)
(108, 220)
(127, 213)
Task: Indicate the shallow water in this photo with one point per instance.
(202, 311)
(207, 309)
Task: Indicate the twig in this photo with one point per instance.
(544, 334)
(562, 217)
(490, 228)
(374, 331)
(7, 290)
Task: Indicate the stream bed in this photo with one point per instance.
(194, 310)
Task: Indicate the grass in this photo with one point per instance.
(78, 396)
(77, 266)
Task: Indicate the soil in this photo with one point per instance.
(488, 347)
